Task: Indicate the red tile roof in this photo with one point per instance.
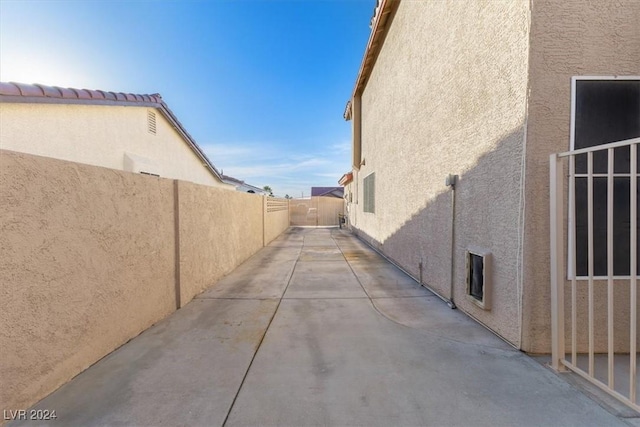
(43, 91)
(37, 93)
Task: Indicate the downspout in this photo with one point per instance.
(451, 181)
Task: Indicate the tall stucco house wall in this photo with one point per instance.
(568, 38)
(124, 135)
(480, 89)
(447, 95)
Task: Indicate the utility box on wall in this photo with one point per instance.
(478, 274)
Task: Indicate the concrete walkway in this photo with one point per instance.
(318, 329)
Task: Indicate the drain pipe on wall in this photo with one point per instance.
(451, 181)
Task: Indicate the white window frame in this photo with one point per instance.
(574, 79)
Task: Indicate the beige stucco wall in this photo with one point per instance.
(88, 261)
(218, 231)
(568, 38)
(276, 221)
(448, 95)
(100, 135)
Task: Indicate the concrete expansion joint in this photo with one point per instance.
(422, 331)
(371, 300)
(255, 353)
(436, 335)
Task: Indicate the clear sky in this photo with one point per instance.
(261, 85)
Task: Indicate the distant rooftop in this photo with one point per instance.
(235, 181)
(327, 191)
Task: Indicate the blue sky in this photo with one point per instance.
(260, 85)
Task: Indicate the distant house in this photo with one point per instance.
(337, 192)
(455, 113)
(135, 133)
(243, 186)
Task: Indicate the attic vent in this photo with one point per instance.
(478, 266)
(151, 122)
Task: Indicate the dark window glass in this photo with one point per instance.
(476, 276)
(621, 226)
(606, 111)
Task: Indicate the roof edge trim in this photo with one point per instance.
(387, 10)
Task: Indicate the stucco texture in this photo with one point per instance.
(218, 231)
(448, 95)
(100, 135)
(276, 219)
(86, 260)
(568, 38)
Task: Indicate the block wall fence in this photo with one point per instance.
(90, 257)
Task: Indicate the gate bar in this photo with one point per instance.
(610, 331)
(556, 255)
(633, 271)
(572, 246)
(590, 250)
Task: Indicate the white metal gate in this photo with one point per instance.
(600, 330)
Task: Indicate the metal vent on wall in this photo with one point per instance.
(478, 271)
(151, 122)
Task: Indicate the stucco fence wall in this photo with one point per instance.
(88, 261)
(276, 218)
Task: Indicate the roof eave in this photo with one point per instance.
(187, 137)
(374, 45)
(346, 179)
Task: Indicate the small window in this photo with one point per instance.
(478, 265)
(370, 193)
(604, 110)
(151, 122)
(476, 277)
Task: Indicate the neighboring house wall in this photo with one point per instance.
(448, 95)
(568, 38)
(89, 258)
(100, 135)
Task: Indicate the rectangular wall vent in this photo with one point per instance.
(151, 122)
(478, 270)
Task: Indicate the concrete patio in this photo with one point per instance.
(318, 329)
